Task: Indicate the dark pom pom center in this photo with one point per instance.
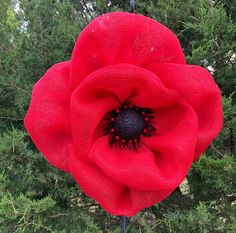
(129, 124)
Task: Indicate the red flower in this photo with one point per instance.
(128, 78)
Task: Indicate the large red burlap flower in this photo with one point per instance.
(126, 116)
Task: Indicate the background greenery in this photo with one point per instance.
(34, 196)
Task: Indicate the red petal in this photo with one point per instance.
(198, 88)
(96, 184)
(160, 167)
(114, 197)
(123, 38)
(104, 90)
(149, 174)
(47, 120)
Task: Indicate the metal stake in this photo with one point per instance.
(132, 6)
(123, 221)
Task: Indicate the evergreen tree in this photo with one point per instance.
(34, 196)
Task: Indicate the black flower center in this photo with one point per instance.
(129, 124)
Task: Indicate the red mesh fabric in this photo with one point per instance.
(197, 86)
(48, 118)
(123, 38)
(124, 57)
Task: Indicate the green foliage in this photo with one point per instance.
(218, 174)
(225, 142)
(214, 45)
(34, 196)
